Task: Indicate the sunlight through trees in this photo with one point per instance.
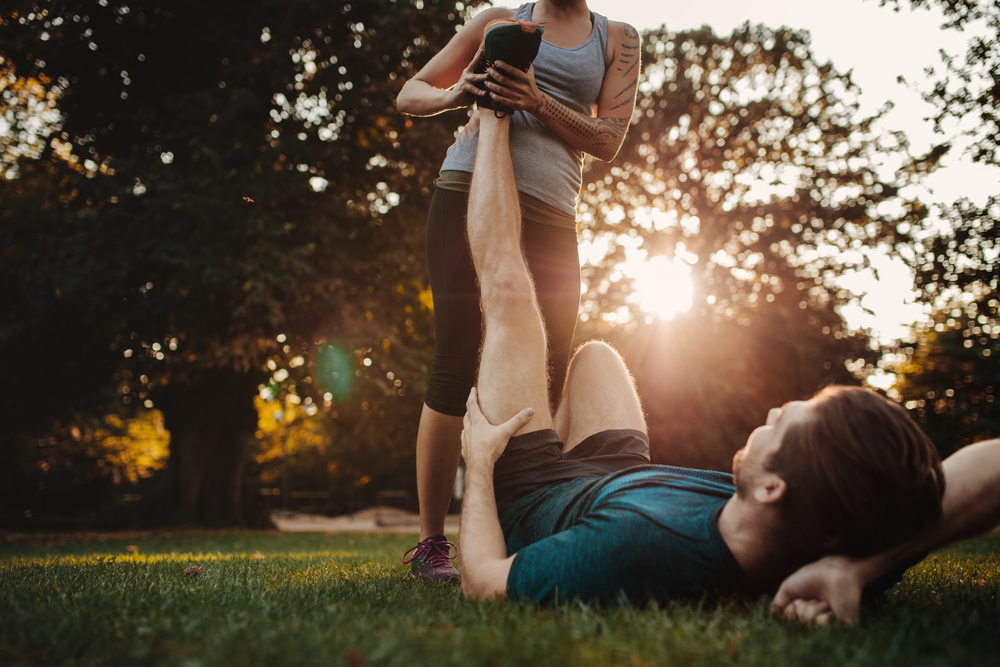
(214, 212)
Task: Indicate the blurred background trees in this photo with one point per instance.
(948, 375)
(211, 220)
(748, 168)
(220, 190)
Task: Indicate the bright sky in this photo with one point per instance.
(878, 45)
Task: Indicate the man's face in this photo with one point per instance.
(748, 463)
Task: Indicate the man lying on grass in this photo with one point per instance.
(567, 506)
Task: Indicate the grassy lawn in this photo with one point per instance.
(314, 599)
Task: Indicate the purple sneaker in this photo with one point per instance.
(432, 559)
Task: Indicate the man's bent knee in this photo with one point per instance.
(596, 353)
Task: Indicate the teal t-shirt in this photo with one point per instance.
(645, 533)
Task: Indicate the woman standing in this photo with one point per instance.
(577, 98)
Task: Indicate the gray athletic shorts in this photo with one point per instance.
(534, 460)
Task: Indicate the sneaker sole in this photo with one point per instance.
(528, 28)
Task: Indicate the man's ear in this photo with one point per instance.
(770, 489)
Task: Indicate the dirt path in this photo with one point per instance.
(374, 519)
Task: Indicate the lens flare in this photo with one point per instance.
(334, 370)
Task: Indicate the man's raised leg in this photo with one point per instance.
(512, 368)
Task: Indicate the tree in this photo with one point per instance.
(968, 91)
(226, 189)
(748, 164)
(972, 87)
(243, 217)
(950, 377)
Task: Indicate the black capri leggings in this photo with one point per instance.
(554, 262)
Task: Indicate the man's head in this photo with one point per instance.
(847, 471)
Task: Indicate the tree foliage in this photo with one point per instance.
(221, 174)
(969, 86)
(950, 378)
(229, 209)
(965, 256)
(748, 163)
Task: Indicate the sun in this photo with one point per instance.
(663, 287)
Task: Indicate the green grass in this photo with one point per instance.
(315, 599)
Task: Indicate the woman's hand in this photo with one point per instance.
(465, 90)
(516, 89)
(448, 80)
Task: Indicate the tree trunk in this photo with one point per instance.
(211, 422)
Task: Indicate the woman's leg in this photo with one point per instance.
(554, 261)
(458, 334)
(439, 448)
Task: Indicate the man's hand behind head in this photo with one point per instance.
(821, 591)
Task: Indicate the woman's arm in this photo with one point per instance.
(446, 82)
(601, 135)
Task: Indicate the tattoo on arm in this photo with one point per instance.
(600, 137)
(626, 89)
(629, 69)
(627, 101)
(629, 55)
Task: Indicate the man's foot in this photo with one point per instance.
(432, 559)
(513, 43)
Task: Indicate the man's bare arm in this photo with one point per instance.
(832, 586)
(482, 550)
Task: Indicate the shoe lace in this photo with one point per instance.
(431, 552)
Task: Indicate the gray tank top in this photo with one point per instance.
(545, 166)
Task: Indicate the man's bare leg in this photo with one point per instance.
(599, 395)
(512, 368)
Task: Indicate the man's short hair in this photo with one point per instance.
(861, 476)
